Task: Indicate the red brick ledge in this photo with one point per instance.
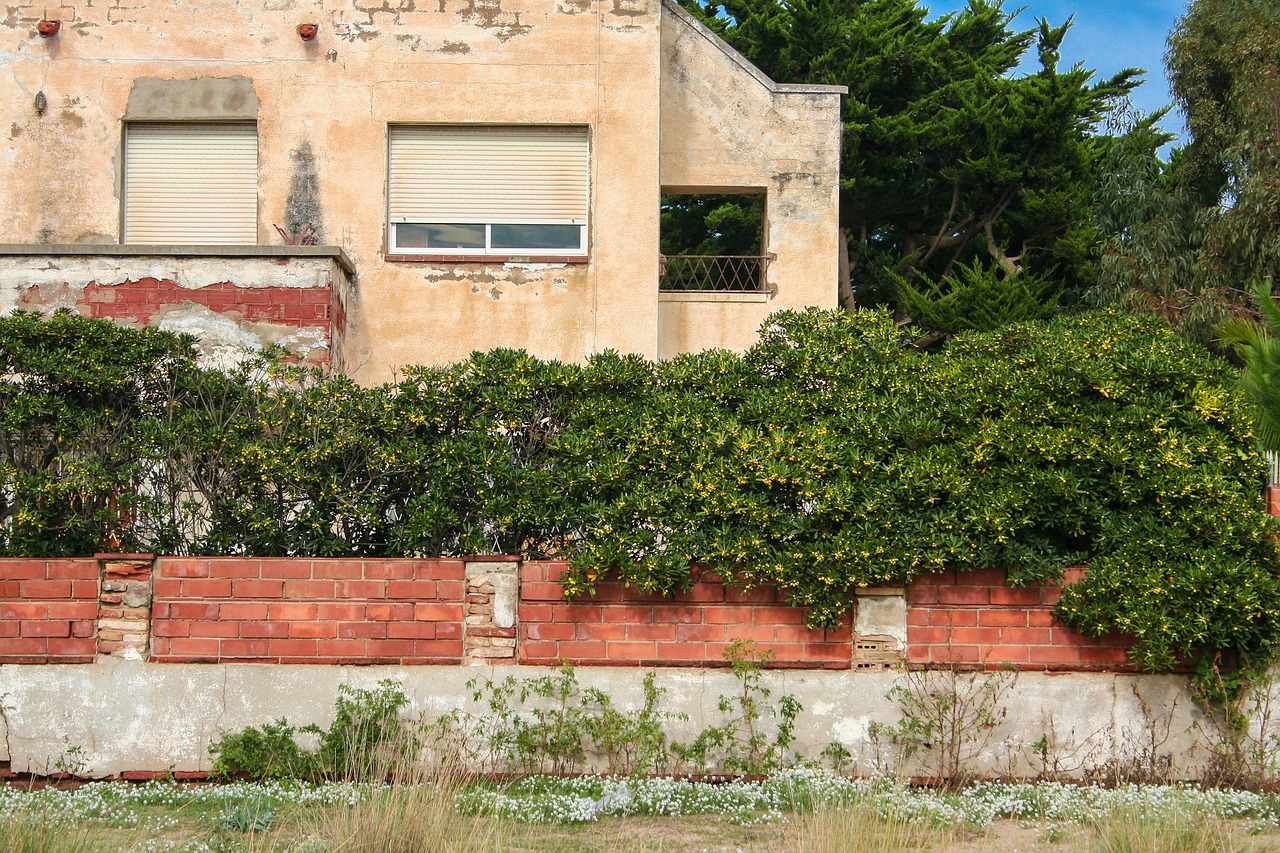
(691, 663)
(294, 661)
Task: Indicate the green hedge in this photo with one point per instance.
(830, 457)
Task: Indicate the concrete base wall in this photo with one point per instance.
(136, 716)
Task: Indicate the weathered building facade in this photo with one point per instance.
(380, 185)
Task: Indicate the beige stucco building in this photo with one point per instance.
(456, 175)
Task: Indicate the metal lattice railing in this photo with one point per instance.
(1273, 467)
(722, 273)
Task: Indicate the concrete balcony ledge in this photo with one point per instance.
(715, 296)
(133, 250)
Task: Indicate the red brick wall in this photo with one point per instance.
(412, 612)
(307, 611)
(141, 300)
(48, 610)
(974, 618)
(618, 627)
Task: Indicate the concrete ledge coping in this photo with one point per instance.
(686, 17)
(715, 296)
(134, 250)
(879, 591)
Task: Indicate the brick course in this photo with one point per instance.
(48, 610)
(141, 300)
(279, 610)
(308, 611)
(623, 627)
(972, 618)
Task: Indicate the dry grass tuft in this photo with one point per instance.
(1168, 832)
(856, 830)
(416, 814)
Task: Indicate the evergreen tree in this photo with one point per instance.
(977, 298)
(949, 155)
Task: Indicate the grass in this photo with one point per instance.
(796, 811)
(1177, 831)
(26, 832)
(418, 815)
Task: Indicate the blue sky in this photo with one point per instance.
(1108, 35)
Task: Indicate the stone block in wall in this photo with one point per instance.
(492, 602)
(124, 605)
(880, 628)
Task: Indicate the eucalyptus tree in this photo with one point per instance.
(1190, 237)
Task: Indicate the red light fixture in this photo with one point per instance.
(48, 29)
(308, 32)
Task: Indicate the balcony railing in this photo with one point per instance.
(713, 273)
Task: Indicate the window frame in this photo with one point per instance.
(576, 253)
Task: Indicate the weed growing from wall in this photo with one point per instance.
(1240, 727)
(549, 724)
(367, 736)
(742, 743)
(948, 718)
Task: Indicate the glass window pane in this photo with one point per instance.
(537, 237)
(453, 236)
(410, 236)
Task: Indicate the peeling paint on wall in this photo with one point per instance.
(223, 342)
(233, 306)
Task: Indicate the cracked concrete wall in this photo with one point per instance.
(575, 62)
(726, 125)
(137, 716)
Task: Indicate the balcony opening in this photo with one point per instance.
(713, 242)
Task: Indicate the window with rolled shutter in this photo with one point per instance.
(488, 190)
(191, 183)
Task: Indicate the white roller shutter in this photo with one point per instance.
(488, 174)
(191, 183)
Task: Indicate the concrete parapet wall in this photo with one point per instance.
(133, 716)
(234, 305)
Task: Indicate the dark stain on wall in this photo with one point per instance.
(302, 208)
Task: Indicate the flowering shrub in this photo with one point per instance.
(830, 457)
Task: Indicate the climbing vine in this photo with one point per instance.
(830, 457)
